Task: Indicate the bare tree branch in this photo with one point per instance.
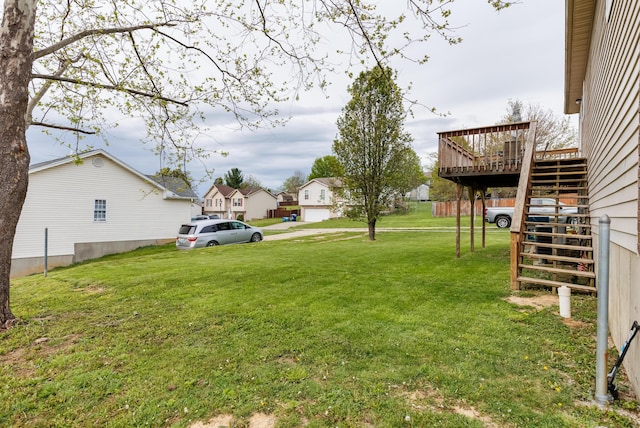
(43, 90)
(96, 32)
(64, 128)
(110, 87)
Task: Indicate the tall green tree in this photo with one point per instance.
(326, 166)
(373, 147)
(234, 178)
(441, 189)
(80, 66)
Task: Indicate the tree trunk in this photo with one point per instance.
(16, 48)
(372, 230)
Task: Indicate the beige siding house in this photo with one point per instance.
(252, 204)
(602, 84)
(318, 200)
(216, 200)
(92, 208)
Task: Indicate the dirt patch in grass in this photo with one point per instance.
(538, 302)
(544, 301)
(472, 413)
(429, 400)
(91, 289)
(20, 358)
(257, 420)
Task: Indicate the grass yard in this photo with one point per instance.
(418, 215)
(324, 331)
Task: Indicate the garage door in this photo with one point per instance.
(316, 214)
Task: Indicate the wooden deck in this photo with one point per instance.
(490, 156)
(560, 253)
(483, 157)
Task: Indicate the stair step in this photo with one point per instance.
(565, 259)
(555, 284)
(578, 215)
(546, 268)
(553, 224)
(559, 235)
(564, 161)
(557, 246)
(568, 189)
(565, 184)
(556, 180)
(559, 175)
(540, 165)
(581, 208)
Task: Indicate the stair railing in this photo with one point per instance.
(524, 186)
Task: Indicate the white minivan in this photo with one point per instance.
(207, 233)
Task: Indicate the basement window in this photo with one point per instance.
(100, 210)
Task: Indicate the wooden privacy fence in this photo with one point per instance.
(448, 208)
(282, 213)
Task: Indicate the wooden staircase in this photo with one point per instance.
(555, 248)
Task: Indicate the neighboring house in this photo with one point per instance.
(287, 197)
(602, 83)
(252, 203)
(318, 199)
(216, 201)
(420, 193)
(91, 206)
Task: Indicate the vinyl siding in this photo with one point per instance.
(315, 189)
(609, 120)
(610, 139)
(258, 204)
(62, 199)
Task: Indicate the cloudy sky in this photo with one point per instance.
(517, 53)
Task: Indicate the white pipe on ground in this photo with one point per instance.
(564, 298)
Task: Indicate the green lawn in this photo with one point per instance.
(418, 215)
(323, 331)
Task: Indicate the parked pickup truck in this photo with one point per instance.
(502, 216)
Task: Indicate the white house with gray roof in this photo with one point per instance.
(92, 205)
(319, 199)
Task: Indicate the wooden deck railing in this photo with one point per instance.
(568, 153)
(517, 222)
(497, 148)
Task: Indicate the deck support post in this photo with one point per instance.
(472, 214)
(459, 192)
(483, 194)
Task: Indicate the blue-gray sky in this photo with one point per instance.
(517, 53)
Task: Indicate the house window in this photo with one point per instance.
(218, 202)
(237, 202)
(100, 210)
(209, 202)
(323, 194)
(306, 195)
